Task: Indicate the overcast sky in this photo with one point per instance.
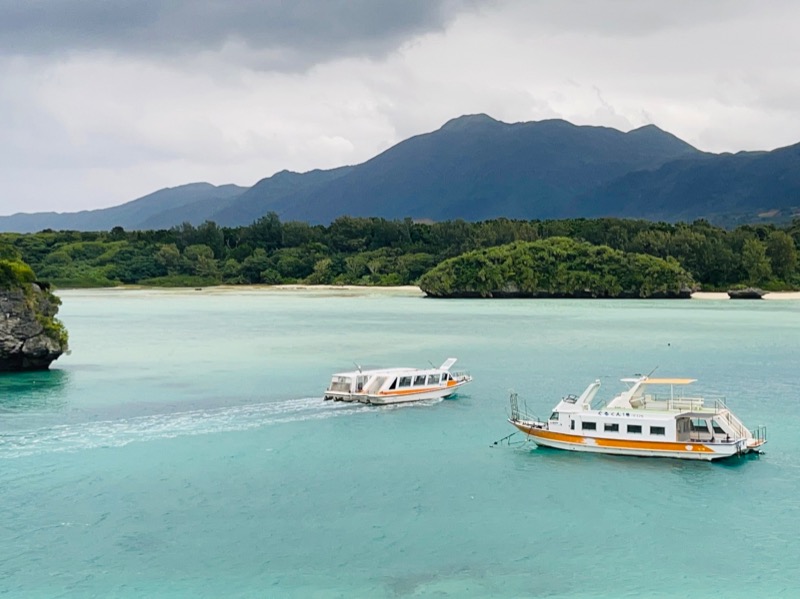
(103, 102)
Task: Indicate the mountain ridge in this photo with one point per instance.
(475, 167)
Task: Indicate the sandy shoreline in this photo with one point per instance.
(361, 289)
(722, 295)
(352, 289)
(399, 288)
(411, 290)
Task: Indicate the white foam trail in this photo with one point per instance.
(117, 433)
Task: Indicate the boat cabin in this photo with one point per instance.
(347, 386)
(656, 409)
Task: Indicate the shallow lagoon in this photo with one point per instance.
(182, 449)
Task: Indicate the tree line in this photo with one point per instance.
(375, 251)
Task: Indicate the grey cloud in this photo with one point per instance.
(637, 18)
(293, 32)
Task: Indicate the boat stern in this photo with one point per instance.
(341, 387)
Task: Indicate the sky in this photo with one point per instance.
(104, 102)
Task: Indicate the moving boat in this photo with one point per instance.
(653, 418)
(396, 385)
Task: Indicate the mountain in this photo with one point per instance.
(725, 188)
(269, 194)
(194, 203)
(475, 168)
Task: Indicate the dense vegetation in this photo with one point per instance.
(556, 267)
(18, 277)
(15, 274)
(374, 251)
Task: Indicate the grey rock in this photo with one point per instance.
(747, 293)
(25, 343)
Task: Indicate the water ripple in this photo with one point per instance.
(121, 432)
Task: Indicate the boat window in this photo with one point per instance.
(613, 428)
(554, 416)
(404, 381)
(657, 430)
(433, 379)
(419, 380)
(699, 424)
(634, 428)
(717, 428)
(683, 425)
(393, 385)
(589, 426)
(446, 376)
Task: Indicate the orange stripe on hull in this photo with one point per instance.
(615, 443)
(416, 391)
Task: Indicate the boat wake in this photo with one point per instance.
(121, 432)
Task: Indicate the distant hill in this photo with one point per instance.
(272, 193)
(194, 203)
(727, 189)
(476, 168)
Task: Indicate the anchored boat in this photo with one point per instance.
(653, 418)
(396, 385)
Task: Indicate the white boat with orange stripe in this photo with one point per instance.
(654, 417)
(396, 385)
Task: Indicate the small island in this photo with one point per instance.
(31, 336)
(557, 267)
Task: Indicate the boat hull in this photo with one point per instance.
(395, 398)
(664, 449)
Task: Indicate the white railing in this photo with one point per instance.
(736, 425)
(661, 402)
(686, 403)
(760, 434)
(515, 413)
(461, 375)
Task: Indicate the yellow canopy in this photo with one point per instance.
(669, 381)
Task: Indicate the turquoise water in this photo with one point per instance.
(183, 450)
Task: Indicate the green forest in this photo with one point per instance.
(375, 251)
(557, 267)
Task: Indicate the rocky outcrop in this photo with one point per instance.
(30, 335)
(747, 293)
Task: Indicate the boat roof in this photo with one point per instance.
(661, 381)
(387, 371)
(445, 367)
(669, 381)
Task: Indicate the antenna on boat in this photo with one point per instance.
(358, 366)
(651, 372)
(432, 364)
